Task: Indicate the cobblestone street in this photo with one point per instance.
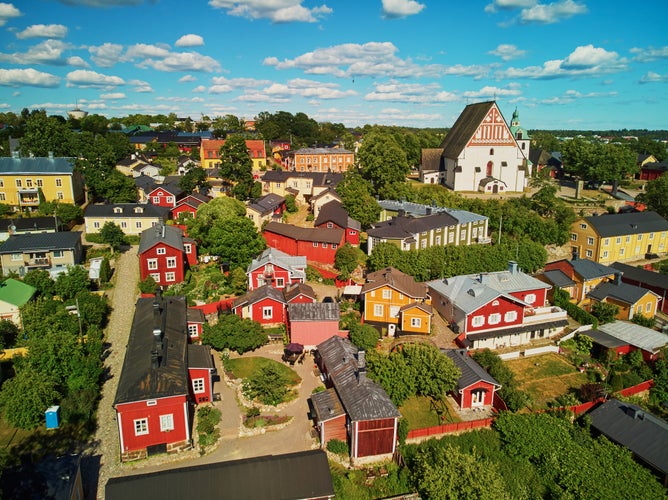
(101, 461)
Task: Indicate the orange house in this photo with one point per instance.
(210, 153)
(394, 300)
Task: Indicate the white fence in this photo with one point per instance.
(580, 329)
(529, 352)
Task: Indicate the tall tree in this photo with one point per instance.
(656, 195)
(46, 134)
(577, 155)
(357, 199)
(382, 161)
(236, 166)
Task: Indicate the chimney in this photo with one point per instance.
(16, 155)
(484, 278)
(51, 155)
(401, 212)
(361, 360)
(618, 278)
(428, 210)
(155, 359)
(512, 267)
(157, 318)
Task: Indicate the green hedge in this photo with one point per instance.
(562, 299)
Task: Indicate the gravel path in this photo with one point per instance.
(102, 459)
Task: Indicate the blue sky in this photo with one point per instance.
(580, 64)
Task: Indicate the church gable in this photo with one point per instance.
(492, 131)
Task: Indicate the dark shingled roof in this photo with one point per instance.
(292, 291)
(362, 398)
(41, 241)
(318, 178)
(643, 276)
(471, 371)
(195, 315)
(324, 235)
(161, 233)
(604, 339)
(293, 476)
(517, 330)
(461, 132)
(266, 204)
(314, 311)
(431, 158)
(394, 278)
(139, 379)
(265, 291)
(327, 405)
(23, 224)
(199, 356)
(172, 188)
(402, 227)
(558, 278)
(127, 210)
(629, 223)
(634, 428)
(333, 211)
(589, 269)
(624, 292)
(40, 165)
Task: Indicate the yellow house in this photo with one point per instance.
(394, 300)
(619, 237)
(24, 182)
(50, 251)
(630, 299)
(132, 218)
(210, 153)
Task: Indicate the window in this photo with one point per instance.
(156, 199)
(648, 307)
(57, 254)
(166, 423)
(18, 183)
(530, 298)
(378, 310)
(438, 240)
(618, 240)
(40, 183)
(589, 253)
(387, 293)
(605, 254)
(28, 183)
(156, 277)
(324, 245)
(651, 236)
(170, 276)
(141, 426)
(60, 195)
(462, 234)
(639, 237)
(451, 236)
(423, 244)
(96, 225)
(491, 152)
(315, 244)
(330, 225)
(152, 264)
(2, 197)
(494, 319)
(334, 245)
(590, 241)
(187, 247)
(161, 251)
(639, 309)
(583, 226)
(124, 224)
(628, 239)
(59, 182)
(606, 242)
(193, 331)
(2, 183)
(267, 312)
(510, 316)
(138, 224)
(171, 262)
(198, 385)
(17, 256)
(170, 199)
(574, 237)
(280, 282)
(621, 251)
(416, 322)
(478, 321)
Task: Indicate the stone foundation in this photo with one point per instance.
(172, 448)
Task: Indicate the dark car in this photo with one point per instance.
(328, 299)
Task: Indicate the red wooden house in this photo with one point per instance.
(189, 205)
(332, 214)
(196, 322)
(371, 419)
(152, 400)
(316, 244)
(493, 310)
(312, 323)
(201, 370)
(299, 293)
(165, 195)
(277, 269)
(266, 305)
(475, 387)
(165, 254)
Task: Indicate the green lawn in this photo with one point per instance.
(245, 367)
(419, 413)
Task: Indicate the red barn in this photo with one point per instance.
(332, 214)
(277, 269)
(312, 323)
(152, 399)
(475, 387)
(371, 417)
(316, 244)
(196, 322)
(201, 370)
(189, 205)
(165, 195)
(165, 254)
(266, 305)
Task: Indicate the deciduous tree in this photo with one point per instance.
(234, 333)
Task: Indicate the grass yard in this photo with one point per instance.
(546, 377)
(419, 413)
(247, 366)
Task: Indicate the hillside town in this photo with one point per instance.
(241, 312)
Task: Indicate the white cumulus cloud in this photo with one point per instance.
(277, 11)
(46, 52)
(29, 77)
(92, 79)
(507, 51)
(113, 96)
(190, 40)
(552, 12)
(187, 78)
(7, 12)
(401, 8)
(652, 77)
(43, 31)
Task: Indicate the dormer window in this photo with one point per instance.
(118, 210)
(139, 210)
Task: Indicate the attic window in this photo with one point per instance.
(118, 210)
(139, 210)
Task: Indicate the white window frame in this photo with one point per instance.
(167, 422)
(141, 426)
(267, 312)
(152, 264)
(387, 293)
(416, 322)
(530, 298)
(170, 276)
(193, 331)
(510, 316)
(199, 386)
(280, 282)
(589, 253)
(171, 262)
(124, 224)
(477, 321)
(161, 251)
(378, 310)
(155, 276)
(648, 307)
(494, 318)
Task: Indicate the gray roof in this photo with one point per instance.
(643, 276)
(634, 428)
(322, 179)
(333, 211)
(624, 292)
(266, 204)
(296, 289)
(161, 233)
(199, 356)
(296, 265)
(139, 379)
(195, 315)
(389, 276)
(29, 224)
(558, 278)
(604, 339)
(471, 372)
(627, 223)
(294, 476)
(66, 240)
(127, 210)
(41, 165)
(327, 405)
(322, 151)
(638, 336)
(420, 210)
(402, 227)
(362, 398)
(314, 311)
(325, 235)
(266, 291)
(589, 269)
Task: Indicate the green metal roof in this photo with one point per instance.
(16, 292)
(40, 165)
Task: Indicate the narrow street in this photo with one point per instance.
(101, 460)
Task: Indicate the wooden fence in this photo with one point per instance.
(450, 428)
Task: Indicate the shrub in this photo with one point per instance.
(338, 447)
(208, 419)
(148, 285)
(269, 386)
(253, 411)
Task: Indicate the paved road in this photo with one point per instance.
(102, 460)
